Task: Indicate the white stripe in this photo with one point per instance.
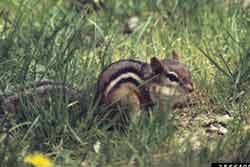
(173, 73)
(122, 76)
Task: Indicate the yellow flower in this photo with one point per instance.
(38, 160)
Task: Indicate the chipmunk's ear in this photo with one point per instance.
(156, 65)
(175, 56)
(147, 71)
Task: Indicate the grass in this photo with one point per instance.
(64, 41)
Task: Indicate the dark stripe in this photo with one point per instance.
(129, 61)
(124, 80)
(125, 71)
(121, 72)
(115, 69)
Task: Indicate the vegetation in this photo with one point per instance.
(72, 42)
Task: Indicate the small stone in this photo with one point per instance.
(97, 146)
(217, 128)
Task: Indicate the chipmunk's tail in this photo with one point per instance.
(38, 92)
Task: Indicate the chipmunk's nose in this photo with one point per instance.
(189, 87)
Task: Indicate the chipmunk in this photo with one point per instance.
(137, 85)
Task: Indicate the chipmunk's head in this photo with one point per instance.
(171, 77)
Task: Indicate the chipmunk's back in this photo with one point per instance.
(117, 73)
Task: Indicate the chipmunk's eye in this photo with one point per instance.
(172, 77)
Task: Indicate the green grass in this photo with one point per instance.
(64, 41)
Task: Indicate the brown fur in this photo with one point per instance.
(117, 86)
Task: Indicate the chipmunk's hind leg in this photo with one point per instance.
(126, 99)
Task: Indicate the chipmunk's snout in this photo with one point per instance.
(189, 87)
